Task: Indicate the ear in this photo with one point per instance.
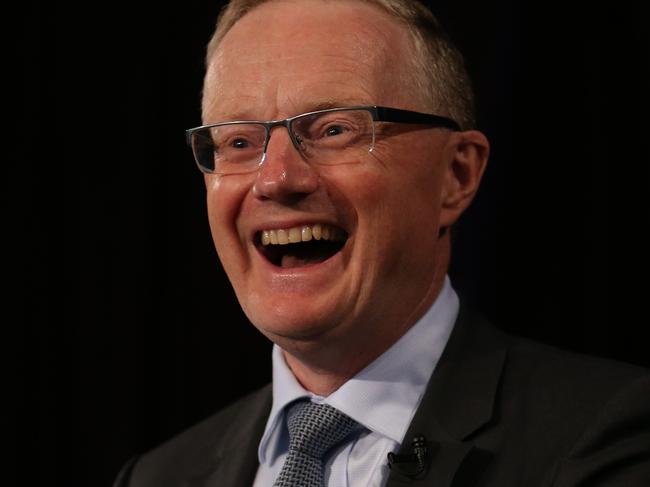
(468, 156)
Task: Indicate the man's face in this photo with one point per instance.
(288, 57)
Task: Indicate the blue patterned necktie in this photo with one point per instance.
(314, 429)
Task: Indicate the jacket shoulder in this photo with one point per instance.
(580, 378)
(542, 415)
(587, 416)
(199, 448)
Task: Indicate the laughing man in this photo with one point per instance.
(338, 149)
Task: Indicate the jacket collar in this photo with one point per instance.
(458, 402)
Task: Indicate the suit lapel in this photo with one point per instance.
(235, 462)
(458, 402)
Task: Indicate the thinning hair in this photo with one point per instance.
(439, 72)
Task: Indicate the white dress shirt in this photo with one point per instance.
(383, 397)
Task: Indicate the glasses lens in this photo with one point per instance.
(335, 137)
(232, 148)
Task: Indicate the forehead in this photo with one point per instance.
(287, 56)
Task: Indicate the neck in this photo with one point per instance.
(326, 363)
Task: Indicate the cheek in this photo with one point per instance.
(217, 209)
(398, 203)
(224, 197)
(400, 195)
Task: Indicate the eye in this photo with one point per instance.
(239, 144)
(333, 130)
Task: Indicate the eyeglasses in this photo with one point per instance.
(331, 136)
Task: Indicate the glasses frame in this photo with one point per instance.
(379, 114)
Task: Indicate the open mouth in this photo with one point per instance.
(300, 246)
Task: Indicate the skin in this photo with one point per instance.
(396, 203)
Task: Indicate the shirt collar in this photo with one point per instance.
(383, 396)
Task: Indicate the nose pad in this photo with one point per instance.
(284, 174)
(298, 142)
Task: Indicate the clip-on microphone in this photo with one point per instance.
(411, 465)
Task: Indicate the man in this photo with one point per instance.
(330, 201)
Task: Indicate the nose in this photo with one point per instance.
(284, 175)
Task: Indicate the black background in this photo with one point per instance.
(121, 328)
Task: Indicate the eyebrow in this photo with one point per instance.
(309, 107)
(338, 103)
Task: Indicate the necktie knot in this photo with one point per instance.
(314, 429)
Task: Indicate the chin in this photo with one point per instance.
(290, 322)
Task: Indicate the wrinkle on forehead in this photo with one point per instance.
(281, 50)
(266, 99)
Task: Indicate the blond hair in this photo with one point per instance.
(439, 69)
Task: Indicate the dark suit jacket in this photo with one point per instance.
(498, 411)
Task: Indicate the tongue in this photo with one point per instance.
(304, 253)
(290, 260)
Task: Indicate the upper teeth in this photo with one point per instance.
(302, 233)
